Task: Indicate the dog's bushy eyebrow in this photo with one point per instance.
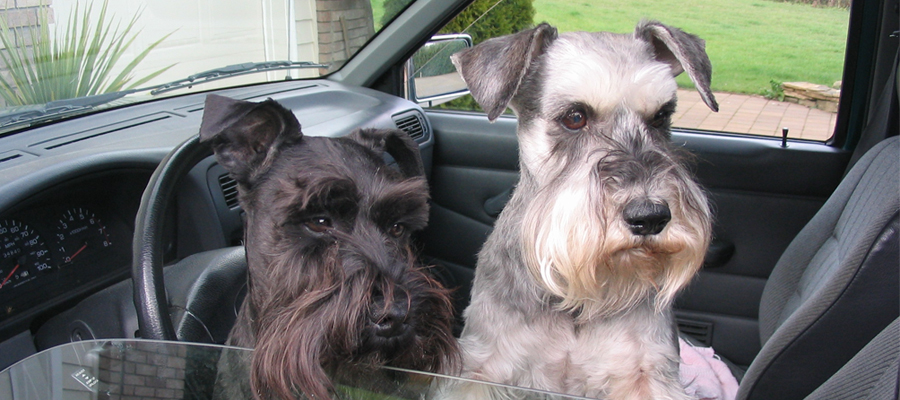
(405, 202)
(332, 195)
(560, 106)
(669, 106)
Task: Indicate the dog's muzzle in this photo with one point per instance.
(646, 218)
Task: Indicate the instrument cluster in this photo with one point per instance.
(78, 232)
(66, 242)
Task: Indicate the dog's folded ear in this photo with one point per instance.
(246, 136)
(683, 52)
(395, 142)
(494, 68)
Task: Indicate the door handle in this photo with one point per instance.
(494, 205)
(718, 254)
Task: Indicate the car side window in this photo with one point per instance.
(776, 64)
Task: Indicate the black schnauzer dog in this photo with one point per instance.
(334, 285)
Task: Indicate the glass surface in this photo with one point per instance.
(433, 73)
(769, 72)
(63, 58)
(120, 369)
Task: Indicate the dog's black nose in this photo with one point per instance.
(646, 218)
(390, 321)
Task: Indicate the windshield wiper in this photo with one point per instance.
(233, 70)
(43, 112)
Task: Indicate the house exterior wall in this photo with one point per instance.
(344, 27)
(230, 32)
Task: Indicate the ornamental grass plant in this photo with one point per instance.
(80, 60)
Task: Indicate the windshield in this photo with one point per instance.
(177, 370)
(68, 57)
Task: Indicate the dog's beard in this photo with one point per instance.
(316, 327)
(578, 248)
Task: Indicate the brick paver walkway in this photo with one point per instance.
(754, 115)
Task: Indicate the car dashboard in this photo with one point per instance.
(70, 191)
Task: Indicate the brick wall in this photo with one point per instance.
(22, 16)
(146, 371)
(344, 26)
(23, 13)
(130, 370)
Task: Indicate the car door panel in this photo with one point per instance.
(761, 194)
(486, 188)
(474, 161)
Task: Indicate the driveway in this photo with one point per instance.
(754, 115)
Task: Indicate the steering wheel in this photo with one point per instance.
(200, 284)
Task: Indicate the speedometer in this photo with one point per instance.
(23, 255)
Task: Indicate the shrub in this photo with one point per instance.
(774, 92)
(392, 8)
(483, 19)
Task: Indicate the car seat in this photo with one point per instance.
(836, 286)
(871, 374)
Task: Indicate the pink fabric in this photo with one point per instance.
(704, 376)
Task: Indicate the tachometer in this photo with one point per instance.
(23, 254)
(80, 233)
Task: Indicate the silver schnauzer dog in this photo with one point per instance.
(574, 288)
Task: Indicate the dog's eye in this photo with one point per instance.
(397, 230)
(319, 224)
(574, 119)
(662, 116)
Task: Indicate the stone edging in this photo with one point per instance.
(812, 95)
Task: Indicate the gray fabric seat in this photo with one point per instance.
(871, 374)
(835, 287)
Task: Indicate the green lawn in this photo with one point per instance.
(750, 42)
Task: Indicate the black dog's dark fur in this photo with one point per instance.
(334, 283)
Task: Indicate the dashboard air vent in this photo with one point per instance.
(411, 124)
(229, 190)
(9, 157)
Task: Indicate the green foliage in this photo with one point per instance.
(391, 9)
(465, 103)
(349, 392)
(484, 19)
(75, 63)
(775, 91)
